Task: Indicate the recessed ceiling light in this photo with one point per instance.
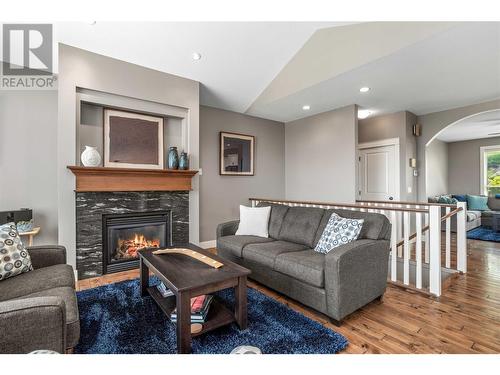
(364, 89)
(196, 56)
(306, 107)
(92, 23)
(363, 113)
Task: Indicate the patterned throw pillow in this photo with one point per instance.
(339, 231)
(14, 259)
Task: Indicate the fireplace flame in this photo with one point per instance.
(129, 247)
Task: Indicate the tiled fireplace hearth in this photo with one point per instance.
(132, 219)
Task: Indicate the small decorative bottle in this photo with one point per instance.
(173, 158)
(184, 161)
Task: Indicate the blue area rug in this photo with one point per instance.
(483, 234)
(116, 319)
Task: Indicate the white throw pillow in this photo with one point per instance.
(254, 221)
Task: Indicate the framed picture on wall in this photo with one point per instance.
(132, 140)
(236, 156)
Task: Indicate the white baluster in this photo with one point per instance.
(406, 247)
(435, 250)
(461, 238)
(418, 249)
(426, 236)
(394, 250)
(448, 239)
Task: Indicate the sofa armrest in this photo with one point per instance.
(227, 229)
(31, 324)
(44, 256)
(355, 274)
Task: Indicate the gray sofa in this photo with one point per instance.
(335, 284)
(38, 309)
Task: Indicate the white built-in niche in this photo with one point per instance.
(90, 120)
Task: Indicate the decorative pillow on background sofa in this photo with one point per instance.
(339, 231)
(447, 199)
(460, 197)
(477, 203)
(14, 259)
(254, 221)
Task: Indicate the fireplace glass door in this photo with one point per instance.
(124, 235)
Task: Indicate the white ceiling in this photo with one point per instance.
(239, 59)
(482, 125)
(420, 67)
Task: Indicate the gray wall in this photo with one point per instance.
(395, 125)
(433, 123)
(320, 156)
(83, 69)
(437, 168)
(28, 157)
(220, 196)
(464, 165)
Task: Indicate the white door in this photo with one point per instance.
(378, 177)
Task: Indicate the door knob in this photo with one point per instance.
(391, 198)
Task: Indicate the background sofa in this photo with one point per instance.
(38, 309)
(335, 284)
(474, 218)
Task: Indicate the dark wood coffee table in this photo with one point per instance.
(186, 278)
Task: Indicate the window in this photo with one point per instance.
(490, 170)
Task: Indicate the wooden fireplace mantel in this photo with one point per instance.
(131, 179)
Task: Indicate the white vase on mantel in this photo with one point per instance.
(90, 157)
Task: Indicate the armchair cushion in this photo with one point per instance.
(14, 259)
(33, 323)
(68, 295)
(59, 275)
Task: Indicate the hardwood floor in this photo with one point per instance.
(465, 319)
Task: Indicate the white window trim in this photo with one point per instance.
(483, 166)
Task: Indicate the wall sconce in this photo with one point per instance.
(417, 130)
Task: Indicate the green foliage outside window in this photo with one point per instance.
(493, 172)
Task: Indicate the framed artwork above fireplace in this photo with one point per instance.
(132, 140)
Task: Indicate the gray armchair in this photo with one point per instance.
(38, 309)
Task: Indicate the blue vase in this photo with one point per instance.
(173, 158)
(184, 161)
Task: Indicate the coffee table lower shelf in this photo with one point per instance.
(218, 315)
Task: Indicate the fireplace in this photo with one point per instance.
(125, 234)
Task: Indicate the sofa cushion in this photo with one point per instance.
(266, 253)
(300, 225)
(235, 244)
(339, 231)
(14, 259)
(307, 266)
(278, 212)
(494, 203)
(68, 295)
(59, 275)
(474, 215)
(477, 202)
(375, 226)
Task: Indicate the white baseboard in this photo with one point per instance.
(208, 244)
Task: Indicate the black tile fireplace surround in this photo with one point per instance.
(93, 208)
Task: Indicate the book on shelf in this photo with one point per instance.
(199, 309)
(164, 291)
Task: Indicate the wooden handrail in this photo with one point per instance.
(399, 209)
(407, 202)
(426, 228)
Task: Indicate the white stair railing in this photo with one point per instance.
(415, 238)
